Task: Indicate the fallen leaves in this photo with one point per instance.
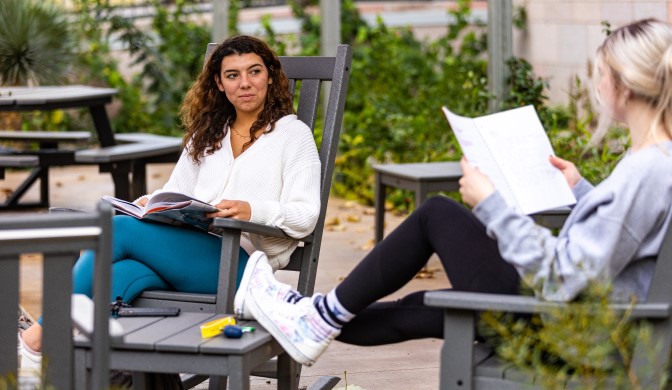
(427, 273)
(353, 218)
(368, 245)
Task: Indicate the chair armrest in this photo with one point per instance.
(255, 228)
(525, 304)
(552, 219)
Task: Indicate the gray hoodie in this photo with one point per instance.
(608, 236)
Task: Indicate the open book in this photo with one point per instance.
(168, 207)
(512, 149)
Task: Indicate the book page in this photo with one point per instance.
(125, 207)
(174, 200)
(521, 148)
(478, 153)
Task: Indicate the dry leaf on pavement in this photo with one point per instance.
(332, 222)
(369, 245)
(337, 228)
(353, 218)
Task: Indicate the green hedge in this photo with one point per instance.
(397, 87)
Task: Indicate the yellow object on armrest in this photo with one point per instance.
(215, 327)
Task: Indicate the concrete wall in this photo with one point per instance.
(562, 35)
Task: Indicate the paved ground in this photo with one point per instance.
(348, 237)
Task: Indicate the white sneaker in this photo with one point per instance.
(297, 326)
(28, 359)
(284, 292)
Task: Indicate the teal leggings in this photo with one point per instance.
(154, 256)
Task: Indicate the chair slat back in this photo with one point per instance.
(661, 288)
(59, 238)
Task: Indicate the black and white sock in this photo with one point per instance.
(331, 310)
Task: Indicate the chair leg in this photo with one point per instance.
(325, 383)
(217, 383)
(81, 373)
(140, 380)
(288, 373)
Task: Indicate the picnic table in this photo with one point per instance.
(123, 157)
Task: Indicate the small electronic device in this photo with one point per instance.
(148, 312)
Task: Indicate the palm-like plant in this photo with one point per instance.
(36, 42)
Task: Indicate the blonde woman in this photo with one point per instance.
(613, 233)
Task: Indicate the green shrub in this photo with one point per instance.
(36, 43)
(397, 87)
(398, 84)
(169, 56)
(586, 343)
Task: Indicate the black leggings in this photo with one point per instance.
(471, 260)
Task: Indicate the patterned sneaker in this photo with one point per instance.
(297, 326)
(284, 291)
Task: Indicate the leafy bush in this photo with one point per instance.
(586, 343)
(397, 87)
(398, 84)
(169, 55)
(36, 43)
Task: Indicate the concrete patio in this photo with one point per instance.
(348, 237)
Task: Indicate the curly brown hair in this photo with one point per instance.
(206, 112)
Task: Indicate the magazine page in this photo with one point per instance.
(521, 148)
(173, 200)
(125, 207)
(477, 152)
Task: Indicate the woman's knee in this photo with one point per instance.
(440, 205)
(126, 225)
(82, 274)
(131, 277)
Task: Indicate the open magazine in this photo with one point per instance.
(512, 149)
(168, 207)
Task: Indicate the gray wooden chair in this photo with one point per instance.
(171, 345)
(59, 237)
(466, 364)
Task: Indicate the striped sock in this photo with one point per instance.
(331, 310)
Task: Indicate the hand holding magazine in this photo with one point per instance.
(168, 207)
(512, 149)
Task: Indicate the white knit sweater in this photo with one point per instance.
(279, 175)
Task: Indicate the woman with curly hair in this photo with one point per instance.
(246, 153)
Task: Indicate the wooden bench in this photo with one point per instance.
(131, 156)
(17, 162)
(45, 137)
(126, 160)
(48, 154)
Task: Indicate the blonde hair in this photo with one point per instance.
(639, 57)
